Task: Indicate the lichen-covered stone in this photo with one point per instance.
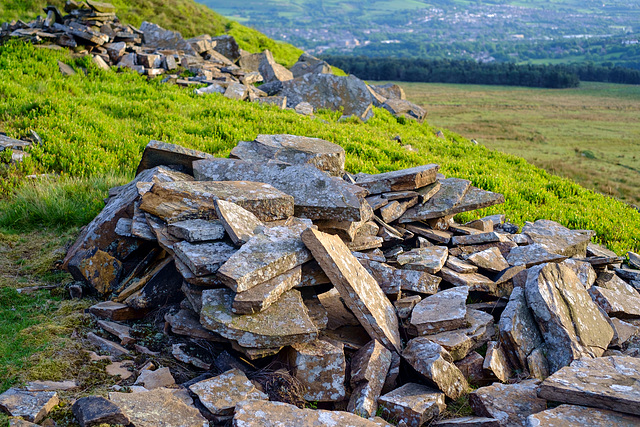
(496, 363)
(510, 404)
(490, 259)
(477, 238)
(558, 239)
(359, 290)
(97, 269)
(239, 223)
(415, 404)
(430, 259)
(433, 362)
(605, 382)
(197, 230)
(617, 302)
(31, 405)
(394, 280)
(187, 322)
(478, 330)
(460, 266)
(403, 179)
(476, 282)
(369, 368)
(571, 324)
(222, 393)
(96, 410)
(316, 195)
(320, 366)
(157, 153)
(444, 311)
(260, 297)
(286, 322)
(204, 258)
(337, 314)
(580, 416)
(530, 255)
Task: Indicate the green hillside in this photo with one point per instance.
(186, 16)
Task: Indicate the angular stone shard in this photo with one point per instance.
(531, 255)
(271, 253)
(204, 258)
(496, 363)
(558, 239)
(259, 413)
(623, 303)
(404, 306)
(96, 410)
(96, 268)
(286, 322)
(359, 290)
(271, 70)
(430, 259)
(583, 270)
(32, 406)
(628, 274)
(158, 153)
(159, 408)
(320, 366)
(197, 230)
(239, 223)
(316, 195)
(460, 266)
(187, 322)
(605, 382)
(434, 235)
(157, 37)
(471, 368)
(624, 331)
(469, 422)
(221, 394)
(478, 331)
(510, 404)
(400, 180)
(393, 280)
(490, 259)
(404, 108)
(369, 368)
(572, 325)
(444, 311)
(337, 314)
(477, 238)
(260, 297)
(293, 150)
(580, 416)
(436, 365)
(415, 404)
(116, 311)
(450, 194)
(181, 200)
(474, 281)
(396, 209)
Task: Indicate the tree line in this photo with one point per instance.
(472, 72)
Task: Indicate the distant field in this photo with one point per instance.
(590, 134)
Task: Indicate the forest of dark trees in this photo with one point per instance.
(472, 72)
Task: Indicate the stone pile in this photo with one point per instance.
(360, 287)
(92, 28)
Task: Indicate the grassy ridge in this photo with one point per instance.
(96, 124)
(186, 16)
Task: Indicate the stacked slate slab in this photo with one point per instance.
(278, 255)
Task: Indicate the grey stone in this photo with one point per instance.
(403, 179)
(510, 404)
(623, 303)
(404, 306)
(583, 270)
(157, 37)
(389, 91)
(571, 324)
(159, 408)
(123, 332)
(236, 91)
(477, 239)
(338, 314)
(268, 254)
(320, 366)
(478, 330)
(52, 385)
(430, 259)
(469, 422)
(239, 223)
(359, 290)
(444, 311)
(286, 322)
(434, 235)
(159, 378)
(473, 199)
(226, 45)
(634, 260)
(460, 266)
(187, 322)
(605, 382)
(204, 258)
(260, 297)
(364, 243)
(33, 406)
(450, 194)
(395, 209)
(304, 108)
(96, 410)
(433, 362)
(258, 413)
(106, 345)
(316, 195)
(212, 88)
(369, 368)
(623, 331)
(496, 363)
(393, 280)
(309, 64)
(628, 274)
(579, 416)
(558, 239)
(531, 255)
(271, 70)
(222, 393)
(490, 259)
(293, 150)
(404, 108)
(278, 101)
(181, 200)
(415, 404)
(197, 230)
(474, 281)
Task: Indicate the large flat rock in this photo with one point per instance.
(261, 296)
(33, 406)
(316, 195)
(158, 153)
(430, 259)
(557, 238)
(182, 200)
(580, 416)
(606, 382)
(293, 150)
(450, 194)
(510, 404)
(286, 322)
(531, 255)
(204, 258)
(222, 393)
(369, 368)
(444, 311)
(478, 330)
(394, 280)
(239, 223)
(572, 325)
(414, 404)
(320, 366)
(360, 291)
(403, 179)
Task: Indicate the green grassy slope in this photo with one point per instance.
(186, 16)
(96, 124)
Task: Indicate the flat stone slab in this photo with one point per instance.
(400, 180)
(33, 406)
(187, 322)
(315, 194)
(477, 238)
(490, 259)
(260, 413)
(530, 255)
(360, 291)
(444, 311)
(369, 368)
(268, 254)
(116, 311)
(605, 382)
(204, 258)
(433, 362)
(450, 194)
(460, 266)
(478, 330)
(476, 282)
(159, 408)
(320, 366)
(394, 280)
(617, 302)
(221, 394)
(158, 153)
(286, 322)
(510, 404)
(557, 238)
(96, 410)
(572, 325)
(197, 230)
(430, 259)
(579, 416)
(239, 223)
(293, 150)
(469, 422)
(628, 274)
(415, 404)
(260, 297)
(395, 209)
(182, 200)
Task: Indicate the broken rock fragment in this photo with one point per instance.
(96, 410)
(580, 416)
(260, 297)
(158, 153)
(510, 404)
(404, 179)
(320, 366)
(490, 259)
(430, 259)
(33, 406)
(369, 368)
(221, 394)
(558, 239)
(415, 404)
(197, 230)
(239, 223)
(444, 311)
(204, 258)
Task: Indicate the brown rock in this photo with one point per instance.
(97, 269)
(320, 366)
(369, 368)
(496, 363)
(430, 259)
(490, 259)
(260, 297)
(579, 416)
(238, 222)
(510, 404)
(338, 314)
(415, 404)
(30, 405)
(158, 153)
(404, 179)
(221, 394)
(116, 311)
(444, 311)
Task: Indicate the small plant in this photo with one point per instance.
(312, 405)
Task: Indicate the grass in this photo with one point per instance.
(589, 134)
